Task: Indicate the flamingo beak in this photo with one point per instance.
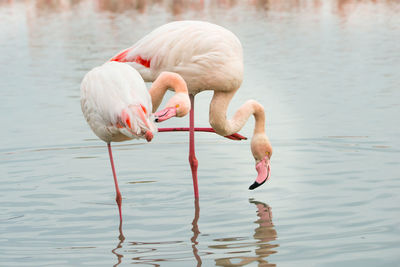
(165, 114)
(264, 172)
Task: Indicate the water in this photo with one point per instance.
(327, 73)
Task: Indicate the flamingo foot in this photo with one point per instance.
(264, 173)
(236, 136)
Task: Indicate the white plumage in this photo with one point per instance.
(116, 103)
(207, 56)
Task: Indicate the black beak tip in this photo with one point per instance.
(156, 119)
(255, 184)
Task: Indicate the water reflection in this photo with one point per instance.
(144, 251)
(121, 238)
(343, 8)
(152, 253)
(122, 6)
(263, 235)
(196, 231)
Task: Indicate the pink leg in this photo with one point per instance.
(234, 136)
(118, 198)
(192, 156)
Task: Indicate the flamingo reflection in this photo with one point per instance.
(145, 247)
(263, 235)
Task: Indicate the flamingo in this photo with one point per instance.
(117, 106)
(208, 57)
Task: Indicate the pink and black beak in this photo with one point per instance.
(165, 114)
(264, 173)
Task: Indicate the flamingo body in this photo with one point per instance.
(207, 56)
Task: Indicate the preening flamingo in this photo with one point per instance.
(118, 107)
(208, 57)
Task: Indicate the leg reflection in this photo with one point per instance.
(121, 238)
(196, 232)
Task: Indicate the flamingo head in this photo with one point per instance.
(177, 106)
(140, 122)
(262, 151)
(165, 114)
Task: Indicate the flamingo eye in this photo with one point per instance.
(143, 108)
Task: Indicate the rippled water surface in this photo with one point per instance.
(327, 73)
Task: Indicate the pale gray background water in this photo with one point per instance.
(327, 73)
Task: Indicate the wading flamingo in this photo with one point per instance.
(117, 105)
(208, 57)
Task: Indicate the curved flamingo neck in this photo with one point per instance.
(223, 126)
(163, 82)
(259, 116)
(260, 145)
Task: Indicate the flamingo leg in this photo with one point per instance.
(234, 136)
(118, 198)
(192, 156)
